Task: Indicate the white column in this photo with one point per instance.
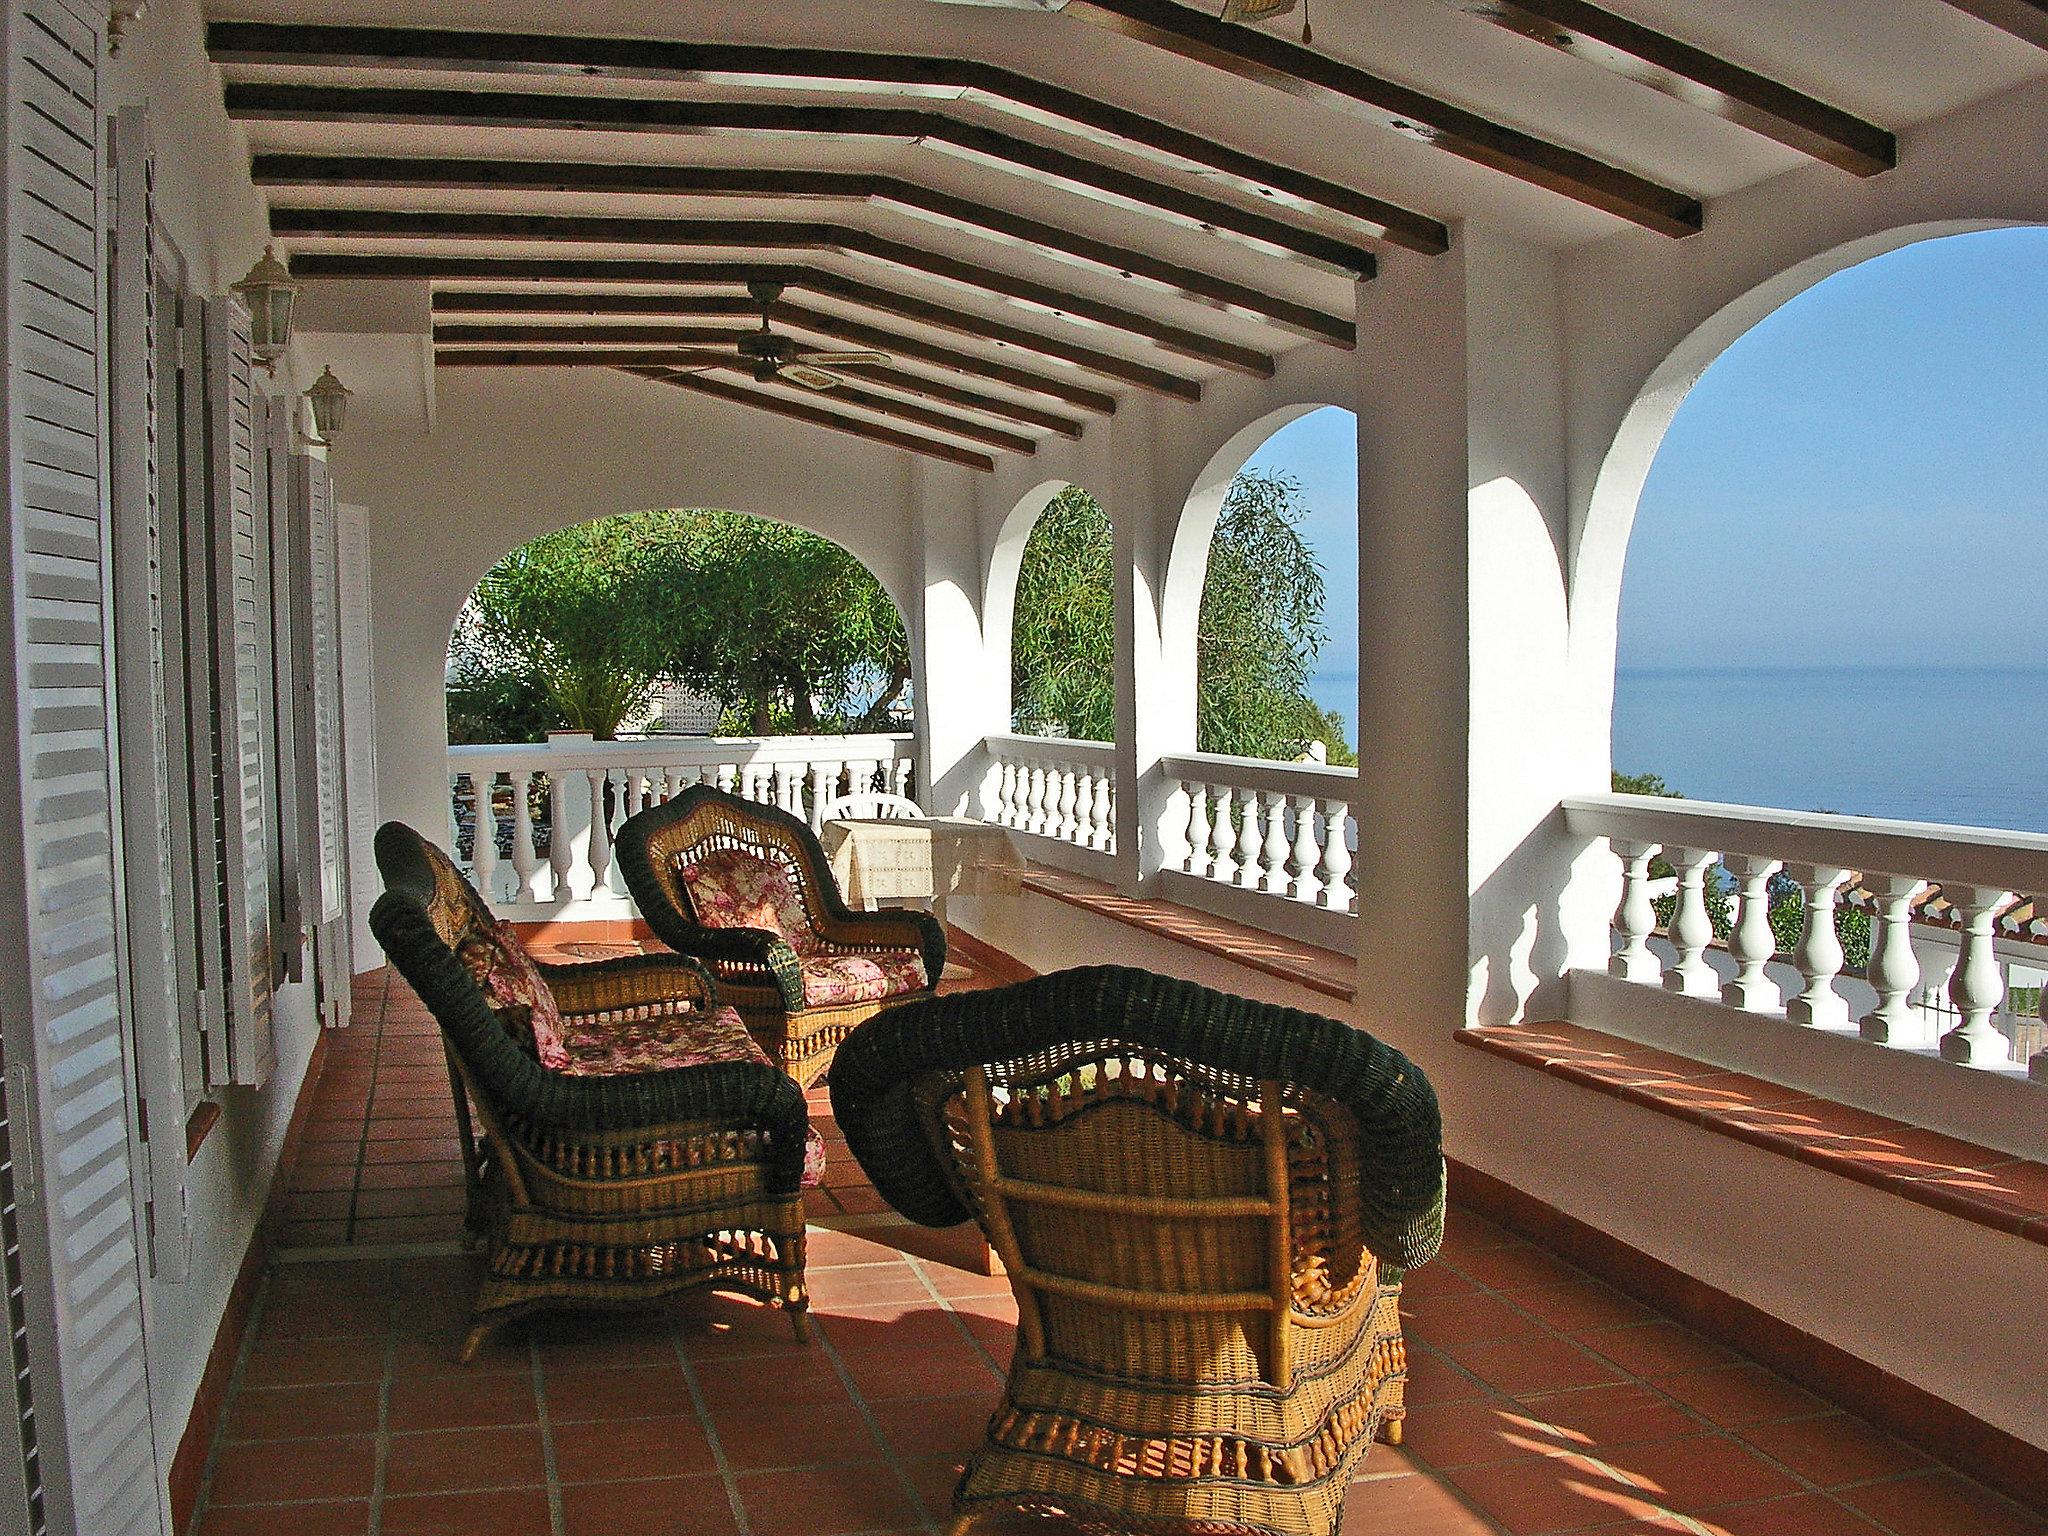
(1819, 955)
(1752, 941)
(1894, 970)
(1692, 928)
(1976, 987)
(1636, 918)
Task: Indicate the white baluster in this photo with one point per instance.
(899, 776)
(525, 867)
(1064, 813)
(1274, 859)
(2037, 1068)
(1105, 812)
(1084, 805)
(1894, 970)
(1337, 894)
(1006, 792)
(1692, 927)
(1251, 840)
(600, 830)
(561, 856)
(1751, 941)
(1819, 955)
(1222, 836)
(1044, 794)
(725, 776)
(820, 793)
(1307, 883)
(1976, 987)
(483, 855)
(1636, 917)
(1200, 861)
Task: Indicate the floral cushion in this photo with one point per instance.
(616, 1048)
(505, 973)
(830, 980)
(732, 888)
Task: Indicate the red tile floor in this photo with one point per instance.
(1541, 1400)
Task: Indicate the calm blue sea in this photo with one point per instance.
(1966, 746)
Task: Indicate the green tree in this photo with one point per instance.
(1257, 636)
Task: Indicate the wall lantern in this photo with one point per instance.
(268, 293)
(329, 399)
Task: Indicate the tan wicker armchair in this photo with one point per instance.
(599, 1191)
(1205, 1205)
(764, 974)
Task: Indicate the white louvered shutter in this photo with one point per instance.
(358, 728)
(74, 1267)
(157, 998)
(316, 611)
(288, 903)
(240, 560)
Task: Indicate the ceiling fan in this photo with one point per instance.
(769, 355)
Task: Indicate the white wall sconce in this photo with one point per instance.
(329, 399)
(268, 293)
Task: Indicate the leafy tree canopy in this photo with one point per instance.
(577, 629)
(1259, 631)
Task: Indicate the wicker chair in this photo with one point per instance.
(600, 1191)
(1205, 1205)
(759, 972)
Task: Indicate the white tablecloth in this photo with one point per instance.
(921, 858)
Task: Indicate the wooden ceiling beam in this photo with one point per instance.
(717, 275)
(1266, 59)
(940, 80)
(697, 337)
(2024, 19)
(1053, 241)
(532, 111)
(766, 234)
(1696, 77)
(735, 274)
(593, 302)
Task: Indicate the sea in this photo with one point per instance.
(1965, 746)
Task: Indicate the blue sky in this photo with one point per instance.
(1321, 451)
(1862, 478)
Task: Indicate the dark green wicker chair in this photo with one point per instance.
(1205, 1205)
(759, 972)
(599, 1191)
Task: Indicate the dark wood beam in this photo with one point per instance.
(2024, 19)
(694, 337)
(594, 302)
(733, 274)
(766, 234)
(1266, 59)
(797, 410)
(1697, 78)
(531, 112)
(1053, 241)
(940, 80)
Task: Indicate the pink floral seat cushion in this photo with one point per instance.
(619, 1047)
(732, 888)
(834, 980)
(498, 963)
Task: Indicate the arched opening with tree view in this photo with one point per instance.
(716, 621)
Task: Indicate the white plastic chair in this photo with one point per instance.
(870, 805)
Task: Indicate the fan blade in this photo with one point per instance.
(809, 377)
(848, 359)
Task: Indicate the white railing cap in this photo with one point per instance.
(681, 751)
(1262, 773)
(1050, 746)
(1981, 856)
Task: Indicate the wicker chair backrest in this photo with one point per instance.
(1161, 1218)
(710, 820)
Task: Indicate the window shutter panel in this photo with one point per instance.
(72, 1263)
(289, 900)
(156, 996)
(241, 641)
(317, 618)
(358, 729)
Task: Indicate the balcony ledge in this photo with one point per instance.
(1959, 1178)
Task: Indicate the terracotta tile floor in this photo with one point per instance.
(1541, 1400)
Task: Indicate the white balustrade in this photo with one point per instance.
(564, 863)
(1276, 829)
(1926, 890)
(1054, 787)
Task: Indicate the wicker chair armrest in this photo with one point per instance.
(742, 1094)
(755, 948)
(1402, 1190)
(895, 928)
(630, 981)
